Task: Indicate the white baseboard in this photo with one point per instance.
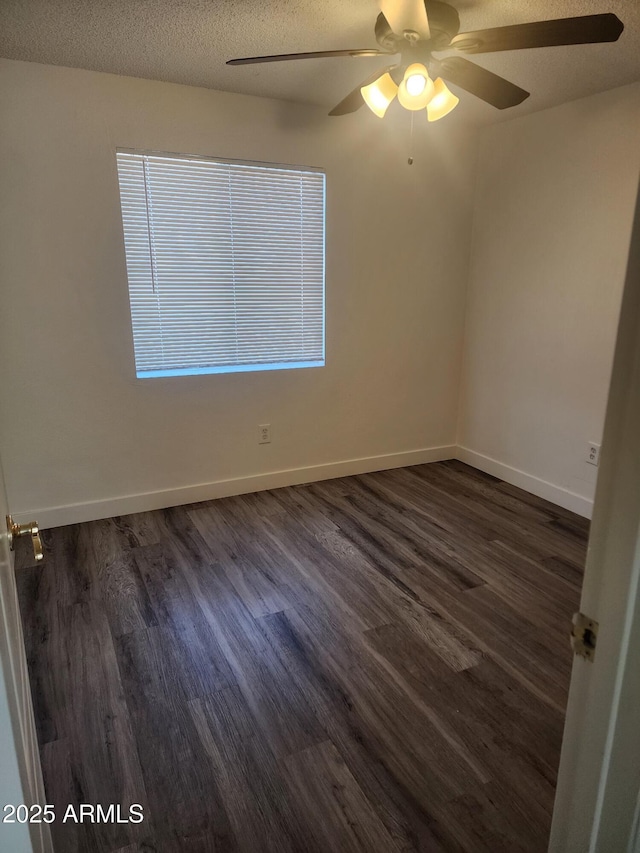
(93, 510)
(543, 489)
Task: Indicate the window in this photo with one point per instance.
(225, 262)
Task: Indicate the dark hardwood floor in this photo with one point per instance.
(378, 663)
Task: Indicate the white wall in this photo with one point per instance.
(552, 223)
(80, 436)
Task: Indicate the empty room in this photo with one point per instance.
(320, 345)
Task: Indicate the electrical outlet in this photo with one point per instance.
(593, 454)
(264, 433)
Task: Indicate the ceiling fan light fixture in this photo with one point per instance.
(442, 102)
(379, 94)
(416, 89)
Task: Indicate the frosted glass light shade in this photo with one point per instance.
(379, 94)
(442, 102)
(411, 95)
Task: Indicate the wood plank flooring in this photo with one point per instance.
(377, 664)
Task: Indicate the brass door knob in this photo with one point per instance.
(29, 529)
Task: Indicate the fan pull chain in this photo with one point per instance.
(410, 160)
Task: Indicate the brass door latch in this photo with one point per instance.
(30, 529)
(584, 635)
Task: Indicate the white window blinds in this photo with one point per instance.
(225, 262)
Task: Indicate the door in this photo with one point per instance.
(20, 773)
(598, 795)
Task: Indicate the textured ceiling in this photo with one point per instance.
(188, 41)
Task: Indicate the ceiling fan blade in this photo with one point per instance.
(588, 29)
(319, 54)
(354, 99)
(483, 84)
(406, 15)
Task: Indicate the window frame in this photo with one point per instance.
(142, 374)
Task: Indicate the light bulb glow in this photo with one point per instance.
(416, 89)
(442, 102)
(379, 94)
(416, 84)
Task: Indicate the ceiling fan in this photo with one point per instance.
(416, 29)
